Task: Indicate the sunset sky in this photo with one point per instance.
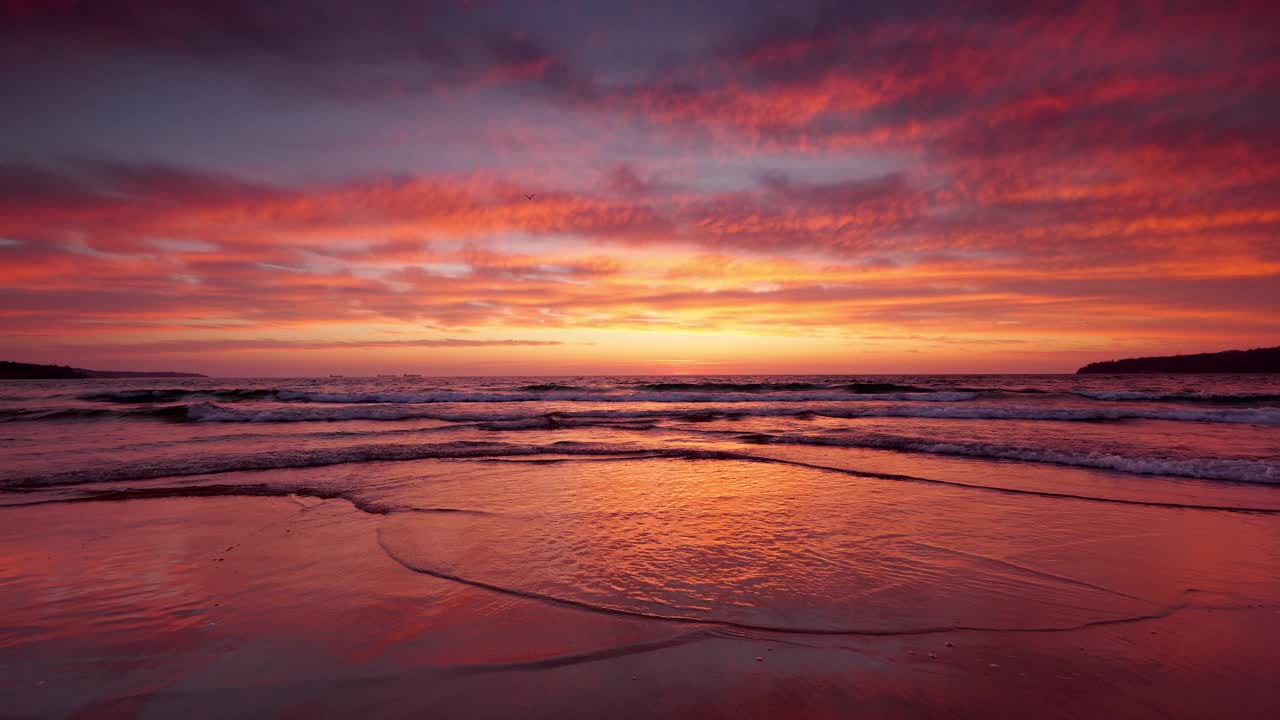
(300, 187)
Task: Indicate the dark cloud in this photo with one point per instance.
(847, 195)
(296, 30)
(623, 179)
(322, 48)
(35, 189)
(95, 184)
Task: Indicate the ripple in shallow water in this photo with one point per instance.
(759, 546)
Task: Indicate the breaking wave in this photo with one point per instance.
(1193, 397)
(1234, 469)
(170, 412)
(165, 395)
(302, 458)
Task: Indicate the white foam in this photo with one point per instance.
(1235, 469)
(1260, 416)
(1135, 395)
(300, 458)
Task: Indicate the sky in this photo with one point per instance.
(307, 187)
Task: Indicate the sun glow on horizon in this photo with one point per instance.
(748, 198)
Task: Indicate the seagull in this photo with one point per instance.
(528, 196)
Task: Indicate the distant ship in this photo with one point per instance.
(385, 375)
(337, 376)
(412, 375)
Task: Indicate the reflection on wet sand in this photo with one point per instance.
(644, 586)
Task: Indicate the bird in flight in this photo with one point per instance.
(528, 196)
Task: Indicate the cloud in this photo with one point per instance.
(902, 170)
(622, 179)
(242, 345)
(178, 245)
(323, 49)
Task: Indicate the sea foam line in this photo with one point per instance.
(465, 450)
(1232, 469)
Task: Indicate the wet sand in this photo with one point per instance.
(309, 607)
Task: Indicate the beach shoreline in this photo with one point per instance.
(288, 606)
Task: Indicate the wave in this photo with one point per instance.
(658, 392)
(164, 395)
(295, 458)
(729, 387)
(209, 412)
(768, 387)
(174, 412)
(1253, 416)
(664, 396)
(30, 414)
(1193, 397)
(1233, 469)
(739, 626)
(17, 487)
(287, 489)
(557, 421)
(213, 412)
(646, 392)
(876, 388)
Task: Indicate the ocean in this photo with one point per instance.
(416, 537)
(1134, 431)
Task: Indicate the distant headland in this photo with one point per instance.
(28, 371)
(1258, 360)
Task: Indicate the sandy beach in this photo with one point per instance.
(626, 588)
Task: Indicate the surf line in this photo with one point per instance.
(745, 457)
(255, 490)
(491, 452)
(1014, 491)
(751, 627)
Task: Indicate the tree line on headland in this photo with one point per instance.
(28, 371)
(1258, 360)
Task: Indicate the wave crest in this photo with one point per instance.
(1233, 469)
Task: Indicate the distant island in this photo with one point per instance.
(28, 371)
(1259, 360)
